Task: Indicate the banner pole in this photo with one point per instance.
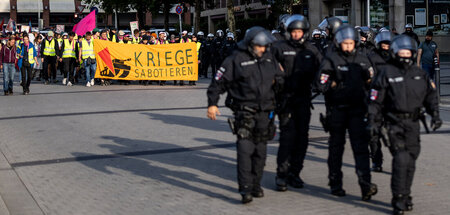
(181, 28)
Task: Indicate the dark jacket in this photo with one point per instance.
(249, 81)
(402, 89)
(350, 72)
(56, 46)
(8, 55)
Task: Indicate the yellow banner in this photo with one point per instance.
(146, 62)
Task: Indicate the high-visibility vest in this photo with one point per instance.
(188, 40)
(69, 49)
(158, 42)
(199, 45)
(87, 50)
(121, 41)
(30, 54)
(113, 39)
(49, 49)
(60, 41)
(136, 40)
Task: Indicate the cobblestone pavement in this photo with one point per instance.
(151, 150)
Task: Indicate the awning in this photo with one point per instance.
(28, 6)
(4, 6)
(62, 6)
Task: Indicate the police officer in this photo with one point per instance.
(318, 41)
(300, 61)
(409, 31)
(250, 76)
(343, 78)
(379, 57)
(330, 26)
(218, 43)
(281, 33)
(207, 53)
(228, 46)
(366, 39)
(397, 96)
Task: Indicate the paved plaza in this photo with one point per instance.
(151, 150)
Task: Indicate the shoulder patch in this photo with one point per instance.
(324, 78)
(373, 94)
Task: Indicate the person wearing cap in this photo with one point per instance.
(50, 54)
(162, 38)
(121, 35)
(145, 40)
(409, 31)
(127, 39)
(397, 96)
(68, 57)
(252, 77)
(136, 38)
(344, 79)
(87, 55)
(96, 33)
(112, 36)
(428, 51)
(185, 37)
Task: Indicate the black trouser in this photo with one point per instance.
(26, 71)
(252, 149)
(377, 155)
(49, 61)
(206, 62)
(341, 120)
(294, 127)
(405, 148)
(69, 65)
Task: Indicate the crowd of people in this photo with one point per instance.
(373, 89)
(39, 56)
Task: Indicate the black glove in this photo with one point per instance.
(436, 122)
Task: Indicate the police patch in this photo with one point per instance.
(289, 53)
(324, 78)
(219, 75)
(373, 94)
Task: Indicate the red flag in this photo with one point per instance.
(1, 26)
(86, 24)
(106, 57)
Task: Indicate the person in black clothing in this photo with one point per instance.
(300, 61)
(228, 46)
(367, 37)
(49, 58)
(330, 26)
(207, 55)
(379, 57)
(317, 40)
(398, 94)
(217, 55)
(251, 76)
(409, 31)
(344, 79)
(280, 35)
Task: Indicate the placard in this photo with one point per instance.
(420, 16)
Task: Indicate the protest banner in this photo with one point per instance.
(134, 25)
(25, 29)
(145, 62)
(59, 29)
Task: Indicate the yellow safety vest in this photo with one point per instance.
(60, 41)
(159, 42)
(121, 41)
(50, 48)
(69, 49)
(182, 41)
(199, 45)
(87, 50)
(136, 40)
(30, 56)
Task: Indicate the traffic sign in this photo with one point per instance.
(179, 9)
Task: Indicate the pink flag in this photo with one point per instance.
(85, 25)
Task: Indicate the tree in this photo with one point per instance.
(230, 16)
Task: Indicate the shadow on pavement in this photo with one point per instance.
(209, 163)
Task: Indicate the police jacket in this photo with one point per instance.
(300, 63)
(228, 48)
(207, 49)
(249, 81)
(350, 72)
(218, 42)
(401, 89)
(377, 59)
(320, 44)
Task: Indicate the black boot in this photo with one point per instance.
(368, 191)
(377, 168)
(246, 193)
(336, 187)
(281, 183)
(398, 203)
(409, 204)
(295, 181)
(257, 191)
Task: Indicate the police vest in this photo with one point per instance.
(87, 49)
(49, 49)
(69, 49)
